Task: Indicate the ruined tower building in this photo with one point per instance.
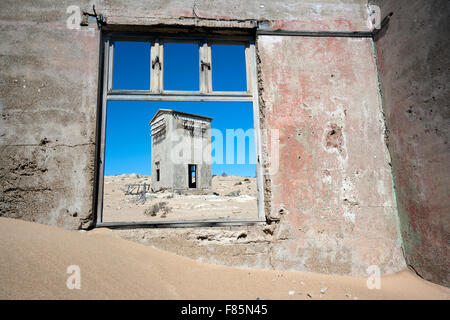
(180, 158)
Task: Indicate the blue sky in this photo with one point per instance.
(128, 144)
(181, 66)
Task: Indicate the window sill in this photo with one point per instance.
(182, 223)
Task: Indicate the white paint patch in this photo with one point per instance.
(381, 191)
(326, 179)
(269, 41)
(347, 193)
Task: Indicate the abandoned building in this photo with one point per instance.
(359, 97)
(180, 172)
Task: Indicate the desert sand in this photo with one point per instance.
(231, 197)
(34, 260)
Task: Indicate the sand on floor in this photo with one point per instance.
(231, 197)
(34, 259)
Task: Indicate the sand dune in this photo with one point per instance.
(34, 259)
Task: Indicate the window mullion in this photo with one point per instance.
(201, 57)
(248, 70)
(205, 67)
(161, 66)
(156, 61)
(209, 70)
(109, 80)
(153, 75)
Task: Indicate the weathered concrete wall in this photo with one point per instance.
(414, 67)
(159, 146)
(334, 15)
(334, 186)
(176, 147)
(48, 95)
(333, 189)
(48, 103)
(191, 145)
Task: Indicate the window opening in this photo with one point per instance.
(186, 104)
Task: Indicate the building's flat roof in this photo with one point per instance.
(178, 112)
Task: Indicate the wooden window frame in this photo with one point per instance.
(157, 93)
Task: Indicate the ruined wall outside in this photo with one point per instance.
(48, 105)
(414, 67)
(333, 189)
(159, 145)
(190, 144)
(49, 78)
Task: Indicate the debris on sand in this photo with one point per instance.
(236, 193)
(128, 204)
(156, 208)
(141, 198)
(323, 290)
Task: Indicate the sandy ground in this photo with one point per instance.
(118, 206)
(34, 260)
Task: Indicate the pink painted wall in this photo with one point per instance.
(336, 189)
(334, 179)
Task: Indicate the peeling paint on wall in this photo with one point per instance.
(413, 69)
(335, 180)
(330, 202)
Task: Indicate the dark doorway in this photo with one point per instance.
(157, 171)
(192, 175)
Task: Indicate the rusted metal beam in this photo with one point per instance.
(350, 34)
